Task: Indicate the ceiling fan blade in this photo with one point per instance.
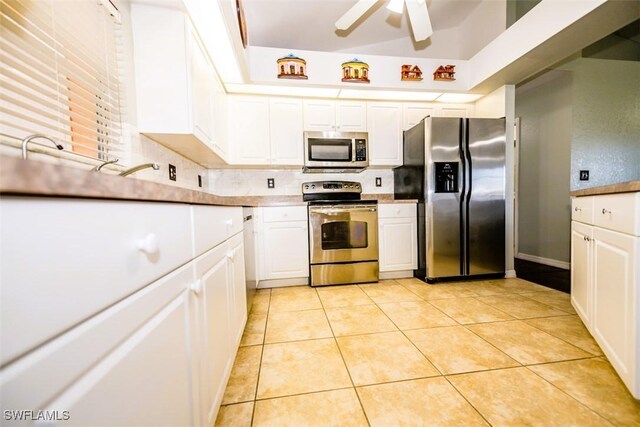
(353, 14)
(419, 18)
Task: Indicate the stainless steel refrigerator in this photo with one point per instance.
(455, 168)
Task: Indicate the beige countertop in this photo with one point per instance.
(33, 178)
(623, 187)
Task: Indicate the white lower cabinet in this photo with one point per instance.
(281, 236)
(605, 278)
(161, 354)
(398, 237)
(128, 365)
(213, 312)
(581, 275)
(614, 317)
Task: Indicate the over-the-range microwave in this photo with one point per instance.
(335, 152)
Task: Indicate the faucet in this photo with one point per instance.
(100, 166)
(135, 169)
(28, 139)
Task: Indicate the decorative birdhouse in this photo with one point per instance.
(411, 73)
(445, 73)
(355, 71)
(292, 67)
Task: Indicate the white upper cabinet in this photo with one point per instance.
(385, 133)
(351, 116)
(455, 110)
(285, 119)
(329, 115)
(265, 131)
(249, 130)
(176, 85)
(413, 113)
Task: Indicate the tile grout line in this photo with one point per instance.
(569, 395)
(335, 340)
(264, 336)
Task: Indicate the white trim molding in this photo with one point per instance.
(545, 261)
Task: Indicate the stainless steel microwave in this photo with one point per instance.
(336, 152)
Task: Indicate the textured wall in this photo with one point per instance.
(606, 121)
(544, 209)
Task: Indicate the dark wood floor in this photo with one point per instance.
(545, 275)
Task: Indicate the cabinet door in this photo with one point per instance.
(398, 244)
(213, 302)
(285, 250)
(286, 128)
(462, 110)
(249, 130)
(384, 121)
(237, 289)
(319, 115)
(127, 365)
(201, 75)
(413, 113)
(581, 270)
(220, 120)
(351, 116)
(614, 322)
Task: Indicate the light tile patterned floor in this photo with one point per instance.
(401, 352)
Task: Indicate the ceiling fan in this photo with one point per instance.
(417, 10)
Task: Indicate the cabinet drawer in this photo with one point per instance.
(397, 210)
(285, 213)
(64, 260)
(213, 225)
(582, 209)
(618, 212)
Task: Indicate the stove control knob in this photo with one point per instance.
(313, 186)
(306, 186)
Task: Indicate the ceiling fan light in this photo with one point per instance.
(395, 6)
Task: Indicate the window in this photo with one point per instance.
(60, 73)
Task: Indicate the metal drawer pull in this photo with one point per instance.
(577, 209)
(604, 211)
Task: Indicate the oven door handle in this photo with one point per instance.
(325, 211)
(342, 210)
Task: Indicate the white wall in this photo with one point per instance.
(544, 106)
(482, 25)
(606, 121)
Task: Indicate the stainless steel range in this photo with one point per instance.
(343, 233)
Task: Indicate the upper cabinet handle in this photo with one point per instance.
(604, 211)
(577, 209)
(149, 244)
(196, 287)
(229, 222)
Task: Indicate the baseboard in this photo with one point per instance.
(510, 274)
(395, 274)
(545, 261)
(281, 283)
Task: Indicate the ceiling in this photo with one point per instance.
(309, 25)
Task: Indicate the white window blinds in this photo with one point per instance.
(60, 74)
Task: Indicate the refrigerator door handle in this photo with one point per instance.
(467, 231)
(461, 133)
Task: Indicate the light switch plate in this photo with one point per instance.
(378, 181)
(173, 172)
(271, 183)
(584, 175)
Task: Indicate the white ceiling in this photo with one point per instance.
(309, 25)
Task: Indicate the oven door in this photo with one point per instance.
(343, 233)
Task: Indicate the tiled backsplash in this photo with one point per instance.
(253, 182)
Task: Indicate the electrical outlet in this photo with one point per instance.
(173, 172)
(584, 175)
(271, 183)
(200, 181)
(378, 181)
